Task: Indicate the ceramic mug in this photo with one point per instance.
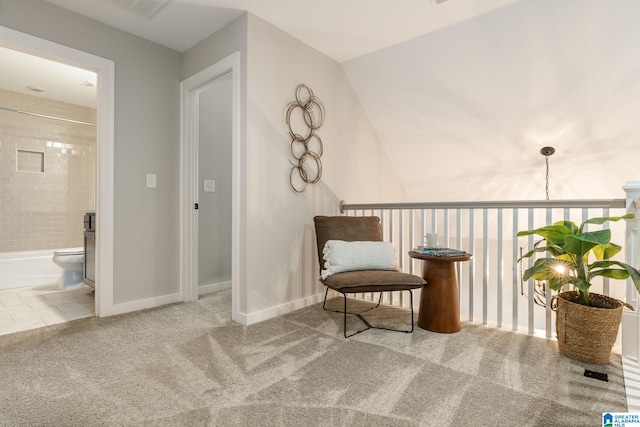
(432, 240)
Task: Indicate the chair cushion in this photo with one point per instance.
(372, 281)
(340, 256)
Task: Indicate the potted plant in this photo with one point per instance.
(586, 323)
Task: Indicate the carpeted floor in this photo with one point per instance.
(190, 365)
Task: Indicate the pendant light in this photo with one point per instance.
(546, 152)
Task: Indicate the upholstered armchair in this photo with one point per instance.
(364, 267)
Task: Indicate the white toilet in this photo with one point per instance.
(72, 263)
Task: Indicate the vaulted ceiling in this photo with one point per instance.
(341, 29)
(462, 93)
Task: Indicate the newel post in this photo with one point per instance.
(630, 319)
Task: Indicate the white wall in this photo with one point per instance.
(281, 263)
(147, 103)
(464, 111)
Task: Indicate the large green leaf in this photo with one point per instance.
(569, 225)
(607, 251)
(633, 273)
(555, 251)
(602, 220)
(553, 234)
(611, 273)
(582, 243)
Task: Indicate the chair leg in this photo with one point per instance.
(344, 328)
(362, 319)
(344, 312)
(411, 305)
(324, 303)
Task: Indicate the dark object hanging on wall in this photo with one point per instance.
(306, 146)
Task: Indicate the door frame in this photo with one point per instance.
(190, 89)
(105, 131)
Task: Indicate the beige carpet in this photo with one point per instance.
(189, 365)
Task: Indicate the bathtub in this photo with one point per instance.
(22, 269)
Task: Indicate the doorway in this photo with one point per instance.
(214, 186)
(104, 69)
(200, 183)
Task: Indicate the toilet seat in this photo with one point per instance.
(69, 251)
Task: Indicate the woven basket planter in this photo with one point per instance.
(587, 333)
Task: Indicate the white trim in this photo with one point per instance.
(213, 287)
(128, 307)
(188, 180)
(629, 333)
(105, 69)
(189, 90)
(631, 383)
(630, 319)
(272, 312)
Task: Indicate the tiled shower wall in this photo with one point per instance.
(47, 173)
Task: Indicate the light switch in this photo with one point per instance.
(152, 180)
(209, 185)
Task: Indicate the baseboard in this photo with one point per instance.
(270, 313)
(129, 307)
(214, 287)
(243, 318)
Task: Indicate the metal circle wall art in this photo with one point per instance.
(305, 115)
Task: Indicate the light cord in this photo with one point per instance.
(546, 152)
(546, 159)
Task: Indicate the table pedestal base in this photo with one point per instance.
(439, 301)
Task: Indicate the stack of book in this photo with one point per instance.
(445, 252)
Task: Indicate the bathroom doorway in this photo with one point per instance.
(48, 158)
(42, 155)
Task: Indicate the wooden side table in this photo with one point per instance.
(439, 302)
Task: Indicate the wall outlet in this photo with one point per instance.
(209, 185)
(152, 180)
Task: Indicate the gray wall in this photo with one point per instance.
(147, 125)
(232, 38)
(214, 213)
(228, 40)
(278, 269)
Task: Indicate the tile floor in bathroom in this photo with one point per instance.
(33, 307)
